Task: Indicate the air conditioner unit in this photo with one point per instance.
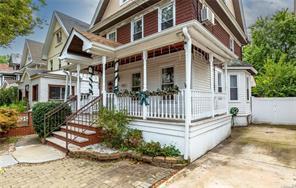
(207, 15)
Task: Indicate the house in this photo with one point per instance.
(157, 59)
(9, 73)
(44, 79)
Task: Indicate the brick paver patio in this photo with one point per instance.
(83, 173)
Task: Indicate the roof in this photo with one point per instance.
(70, 22)
(5, 68)
(240, 65)
(15, 59)
(33, 72)
(96, 38)
(35, 49)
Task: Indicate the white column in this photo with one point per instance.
(70, 83)
(66, 86)
(226, 87)
(116, 83)
(104, 60)
(78, 88)
(211, 59)
(145, 81)
(188, 62)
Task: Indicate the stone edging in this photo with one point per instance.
(166, 162)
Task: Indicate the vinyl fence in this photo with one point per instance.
(274, 110)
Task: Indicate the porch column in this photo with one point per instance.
(226, 88)
(104, 60)
(116, 83)
(70, 83)
(211, 59)
(188, 62)
(144, 81)
(66, 87)
(78, 92)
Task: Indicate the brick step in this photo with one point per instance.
(60, 144)
(83, 126)
(72, 137)
(79, 130)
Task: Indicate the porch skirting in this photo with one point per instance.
(204, 135)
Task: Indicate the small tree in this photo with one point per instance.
(17, 19)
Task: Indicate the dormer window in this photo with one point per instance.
(167, 17)
(59, 36)
(112, 36)
(231, 44)
(137, 29)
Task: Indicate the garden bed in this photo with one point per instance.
(101, 153)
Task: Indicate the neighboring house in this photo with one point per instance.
(47, 82)
(15, 61)
(8, 76)
(156, 45)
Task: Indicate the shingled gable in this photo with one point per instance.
(34, 48)
(67, 23)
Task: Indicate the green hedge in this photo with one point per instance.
(38, 112)
(8, 96)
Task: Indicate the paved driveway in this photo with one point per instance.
(258, 156)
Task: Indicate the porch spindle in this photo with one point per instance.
(211, 59)
(144, 81)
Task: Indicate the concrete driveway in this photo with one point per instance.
(257, 156)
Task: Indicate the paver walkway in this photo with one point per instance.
(83, 173)
(257, 156)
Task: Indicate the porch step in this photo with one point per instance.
(72, 137)
(60, 144)
(79, 130)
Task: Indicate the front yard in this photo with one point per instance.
(257, 156)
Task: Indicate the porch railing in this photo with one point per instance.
(55, 118)
(171, 106)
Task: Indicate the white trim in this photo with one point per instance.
(98, 9)
(136, 19)
(113, 31)
(160, 8)
(122, 2)
(237, 86)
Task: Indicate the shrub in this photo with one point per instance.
(8, 96)
(8, 119)
(38, 112)
(133, 138)
(114, 125)
(20, 106)
(155, 149)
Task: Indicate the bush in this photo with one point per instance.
(155, 149)
(133, 138)
(8, 119)
(20, 106)
(38, 112)
(8, 96)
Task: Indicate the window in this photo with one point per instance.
(59, 36)
(35, 93)
(56, 92)
(112, 36)
(29, 58)
(137, 29)
(231, 44)
(167, 78)
(136, 82)
(219, 82)
(122, 2)
(248, 88)
(167, 17)
(60, 65)
(233, 88)
(51, 65)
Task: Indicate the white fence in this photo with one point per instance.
(274, 110)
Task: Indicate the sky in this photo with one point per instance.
(84, 10)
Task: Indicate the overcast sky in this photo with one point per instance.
(84, 10)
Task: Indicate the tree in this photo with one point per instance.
(17, 19)
(277, 80)
(272, 37)
(4, 59)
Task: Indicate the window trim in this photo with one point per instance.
(237, 77)
(113, 31)
(140, 80)
(61, 37)
(231, 44)
(132, 27)
(172, 2)
(167, 67)
(221, 81)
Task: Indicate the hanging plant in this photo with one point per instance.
(233, 111)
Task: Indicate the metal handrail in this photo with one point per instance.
(53, 120)
(87, 116)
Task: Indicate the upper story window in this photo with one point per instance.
(167, 78)
(136, 82)
(112, 36)
(231, 44)
(58, 35)
(121, 2)
(233, 88)
(137, 29)
(167, 18)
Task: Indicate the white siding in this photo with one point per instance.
(201, 75)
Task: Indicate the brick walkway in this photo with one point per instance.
(83, 173)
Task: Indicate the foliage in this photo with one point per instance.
(20, 106)
(133, 138)
(272, 37)
(8, 119)
(8, 96)
(278, 80)
(4, 59)
(17, 19)
(234, 111)
(38, 112)
(168, 91)
(114, 125)
(155, 149)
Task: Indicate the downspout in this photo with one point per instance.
(66, 87)
(188, 62)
